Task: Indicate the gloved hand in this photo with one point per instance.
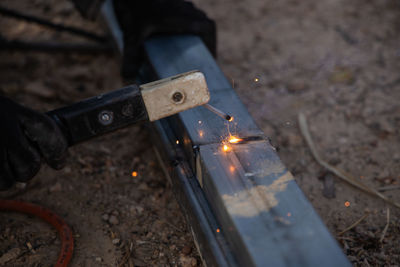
(140, 20)
(26, 136)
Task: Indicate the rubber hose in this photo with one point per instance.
(64, 231)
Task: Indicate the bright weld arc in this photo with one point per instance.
(234, 140)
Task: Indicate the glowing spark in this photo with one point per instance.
(201, 133)
(347, 204)
(289, 214)
(230, 119)
(177, 142)
(218, 230)
(234, 140)
(225, 148)
(134, 174)
(256, 79)
(200, 122)
(232, 169)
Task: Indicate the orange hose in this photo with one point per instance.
(67, 240)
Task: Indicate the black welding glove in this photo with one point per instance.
(26, 136)
(141, 19)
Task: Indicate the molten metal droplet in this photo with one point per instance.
(225, 148)
(177, 142)
(218, 230)
(134, 174)
(347, 204)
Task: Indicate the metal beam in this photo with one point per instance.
(243, 206)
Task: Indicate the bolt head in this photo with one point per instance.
(106, 117)
(177, 97)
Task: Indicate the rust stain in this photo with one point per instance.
(261, 198)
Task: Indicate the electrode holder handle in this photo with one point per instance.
(117, 109)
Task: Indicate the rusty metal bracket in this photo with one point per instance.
(242, 205)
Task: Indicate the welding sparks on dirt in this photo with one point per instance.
(134, 174)
(347, 204)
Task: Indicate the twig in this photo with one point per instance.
(354, 224)
(388, 188)
(366, 263)
(125, 258)
(340, 173)
(387, 225)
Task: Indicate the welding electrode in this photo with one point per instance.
(218, 112)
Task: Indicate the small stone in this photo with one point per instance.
(113, 220)
(99, 259)
(116, 241)
(139, 209)
(294, 139)
(186, 250)
(39, 89)
(115, 213)
(55, 188)
(105, 217)
(187, 261)
(297, 86)
(342, 75)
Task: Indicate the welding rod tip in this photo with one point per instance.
(218, 112)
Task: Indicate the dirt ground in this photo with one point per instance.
(335, 61)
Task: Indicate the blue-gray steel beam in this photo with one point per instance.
(263, 218)
(262, 212)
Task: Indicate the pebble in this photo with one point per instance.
(186, 261)
(115, 213)
(99, 259)
(113, 220)
(39, 89)
(55, 188)
(105, 217)
(116, 241)
(297, 86)
(186, 250)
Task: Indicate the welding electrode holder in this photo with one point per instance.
(114, 110)
(101, 114)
